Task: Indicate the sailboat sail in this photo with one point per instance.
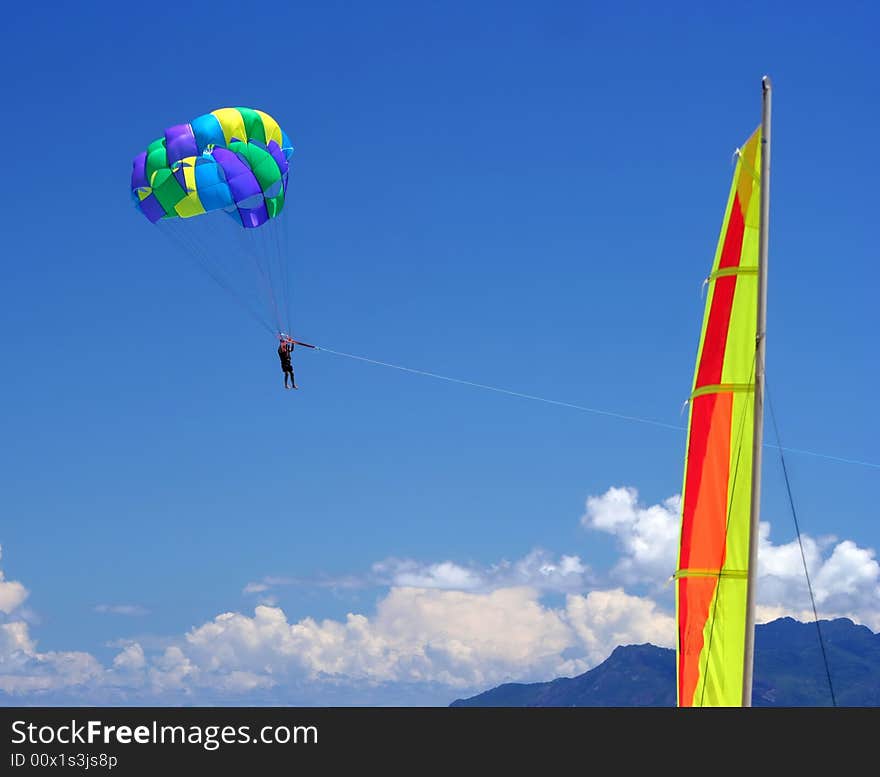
(711, 581)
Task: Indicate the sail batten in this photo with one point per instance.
(713, 564)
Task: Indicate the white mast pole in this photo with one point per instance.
(757, 444)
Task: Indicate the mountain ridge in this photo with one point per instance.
(790, 671)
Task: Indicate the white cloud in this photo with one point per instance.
(538, 569)
(444, 575)
(851, 571)
(449, 625)
(459, 639)
(25, 670)
(845, 578)
(131, 658)
(605, 619)
(12, 593)
(648, 536)
(846, 583)
(15, 640)
(171, 670)
(128, 669)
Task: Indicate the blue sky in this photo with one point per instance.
(522, 195)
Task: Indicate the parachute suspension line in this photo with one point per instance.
(801, 545)
(273, 237)
(200, 258)
(266, 253)
(244, 241)
(288, 259)
(206, 244)
(247, 244)
(280, 272)
(282, 260)
(281, 240)
(254, 240)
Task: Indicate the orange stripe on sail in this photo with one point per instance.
(706, 518)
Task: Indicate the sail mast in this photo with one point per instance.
(760, 342)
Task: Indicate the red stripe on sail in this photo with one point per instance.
(715, 341)
(704, 512)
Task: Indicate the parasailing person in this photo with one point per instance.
(285, 348)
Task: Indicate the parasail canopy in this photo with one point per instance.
(223, 178)
(232, 159)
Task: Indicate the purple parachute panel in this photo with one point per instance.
(138, 171)
(244, 187)
(180, 143)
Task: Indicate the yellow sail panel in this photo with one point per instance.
(713, 553)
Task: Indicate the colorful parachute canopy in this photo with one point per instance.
(232, 159)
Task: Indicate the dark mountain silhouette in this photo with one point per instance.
(789, 672)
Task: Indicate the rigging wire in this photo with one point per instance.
(501, 390)
(202, 257)
(573, 406)
(801, 544)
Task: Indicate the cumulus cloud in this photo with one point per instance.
(12, 593)
(460, 627)
(131, 658)
(605, 619)
(845, 583)
(845, 579)
(444, 575)
(538, 569)
(460, 639)
(457, 638)
(648, 536)
(23, 669)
